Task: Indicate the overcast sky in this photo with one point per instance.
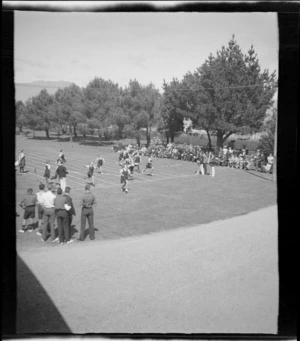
(150, 47)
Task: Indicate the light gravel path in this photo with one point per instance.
(220, 277)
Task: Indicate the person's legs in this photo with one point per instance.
(46, 218)
(63, 183)
(59, 218)
(65, 225)
(213, 172)
(51, 223)
(91, 224)
(82, 225)
(201, 169)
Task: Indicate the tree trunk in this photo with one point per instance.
(120, 132)
(138, 139)
(74, 130)
(148, 136)
(47, 133)
(33, 133)
(172, 138)
(209, 139)
(220, 140)
(71, 135)
(167, 136)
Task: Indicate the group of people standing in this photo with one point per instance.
(53, 204)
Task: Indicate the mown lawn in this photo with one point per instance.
(173, 198)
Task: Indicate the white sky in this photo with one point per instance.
(150, 47)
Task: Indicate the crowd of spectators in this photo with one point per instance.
(224, 157)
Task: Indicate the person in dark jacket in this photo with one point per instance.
(62, 172)
(71, 211)
(60, 203)
(87, 201)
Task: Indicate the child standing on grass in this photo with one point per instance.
(28, 204)
(21, 161)
(61, 157)
(99, 163)
(200, 163)
(47, 171)
(124, 178)
(212, 162)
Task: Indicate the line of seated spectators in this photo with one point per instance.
(226, 157)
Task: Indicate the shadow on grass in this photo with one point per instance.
(42, 138)
(73, 230)
(36, 312)
(261, 175)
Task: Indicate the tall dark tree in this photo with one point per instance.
(69, 107)
(134, 107)
(151, 102)
(20, 115)
(30, 117)
(232, 93)
(42, 107)
(101, 99)
(171, 122)
(267, 140)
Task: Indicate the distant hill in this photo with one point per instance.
(25, 91)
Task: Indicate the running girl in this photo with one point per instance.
(149, 166)
(99, 163)
(124, 178)
(61, 157)
(137, 161)
(90, 174)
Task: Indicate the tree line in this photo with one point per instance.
(227, 94)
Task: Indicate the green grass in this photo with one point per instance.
(173, 198)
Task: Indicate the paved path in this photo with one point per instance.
(215, 278)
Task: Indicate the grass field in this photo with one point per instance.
(174, 197)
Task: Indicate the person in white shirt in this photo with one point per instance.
(47, 202)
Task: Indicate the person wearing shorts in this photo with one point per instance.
(47, 171)
(99, 163)
(149, 166)
(90, 174)
(28, 203)
(61, 157)
(124, 178)
(137, 161)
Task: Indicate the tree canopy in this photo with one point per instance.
(228, 93)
